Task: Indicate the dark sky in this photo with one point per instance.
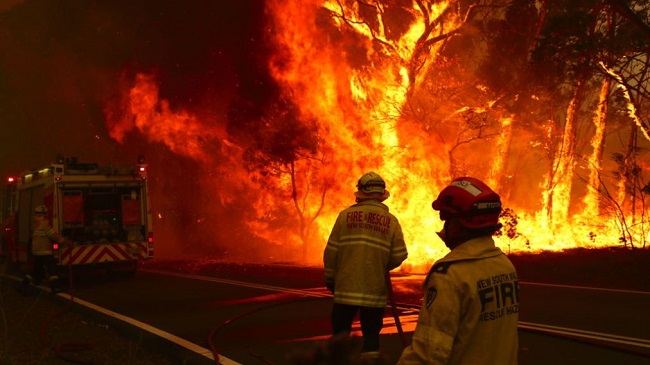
(61, 60)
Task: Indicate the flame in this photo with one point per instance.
(356, 80)
(360, 111)
(179, 130)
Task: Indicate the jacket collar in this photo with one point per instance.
(372, 202)
(476, 248)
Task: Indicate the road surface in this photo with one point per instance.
(258, 314)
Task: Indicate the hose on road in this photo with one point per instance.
(215, 331)
(61, 349)
(393, 305)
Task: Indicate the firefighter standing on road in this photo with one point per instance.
(366, 242)
(42, 238)
(470, 309)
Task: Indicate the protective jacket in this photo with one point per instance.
(366, 242)
(470, 309)
(43, 236)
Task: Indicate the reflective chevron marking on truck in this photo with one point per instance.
(104, 253)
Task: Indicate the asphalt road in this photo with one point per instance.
(260, 314)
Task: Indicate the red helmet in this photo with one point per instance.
(471, 200)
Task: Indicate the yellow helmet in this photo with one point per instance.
(371, 182)
(40, 210)
(371, 186)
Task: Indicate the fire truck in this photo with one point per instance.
(103, 210)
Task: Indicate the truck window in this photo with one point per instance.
(100, 215)
(132, 216)
(131, 210)
(72, 206)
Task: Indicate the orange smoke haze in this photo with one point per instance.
(359, 97)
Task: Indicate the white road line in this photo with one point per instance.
(166, 335)
(586, 288)
(525, 325)
(153, 330)
(639, 342)
(302, 292)
(226, 361)
(644, 292)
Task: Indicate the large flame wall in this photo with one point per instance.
(349, 101)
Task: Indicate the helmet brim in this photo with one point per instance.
(379, 196)
(442, 207)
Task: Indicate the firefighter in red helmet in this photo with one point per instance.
(365, 243)
(471, 296)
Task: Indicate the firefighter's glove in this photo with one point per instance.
(330, 285)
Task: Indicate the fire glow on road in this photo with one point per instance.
(409, 311)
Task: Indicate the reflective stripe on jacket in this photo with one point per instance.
(470, 309)
(365, 243)
(42, 238)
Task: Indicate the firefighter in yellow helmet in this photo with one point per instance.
(471, 296)
(365, 243)
(43, 235)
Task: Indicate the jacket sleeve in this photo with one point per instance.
(398, 252)
(331, 249)
(437, 325)
(54, 236)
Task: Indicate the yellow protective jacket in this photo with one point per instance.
(470, 309)
(366, 242)
(43, 236)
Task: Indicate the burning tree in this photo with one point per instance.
(522, 94)
(285, 149)
(631, 211)
(591, 52)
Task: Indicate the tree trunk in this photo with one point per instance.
(564, 163)
(503, 149)
(592, 197)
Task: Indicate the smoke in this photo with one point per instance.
(8, 4)
(256, 117)
(64, 62)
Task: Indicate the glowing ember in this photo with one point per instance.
(360, 76)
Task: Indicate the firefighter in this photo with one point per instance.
(471, 296)
(365, 243)
(43, 236)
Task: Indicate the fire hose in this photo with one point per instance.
(215, 331)
(393, 305)
(60, 349)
